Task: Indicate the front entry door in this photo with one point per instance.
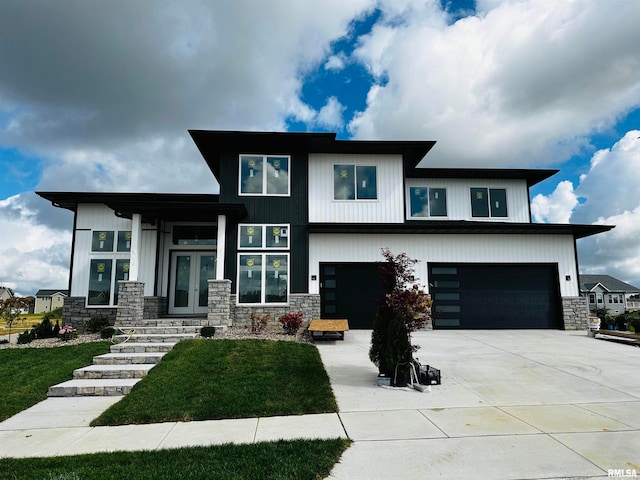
(188, 285)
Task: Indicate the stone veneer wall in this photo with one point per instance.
(219, 309)
(130, 303)
(76, 313)
(155, 307)
(298, 302)
(575, 313)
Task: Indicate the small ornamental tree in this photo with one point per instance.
(10, 310)
(405, 309)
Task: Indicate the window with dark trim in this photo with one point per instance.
(355, 182)
(264, 175)
(488, 202)
(427, 202)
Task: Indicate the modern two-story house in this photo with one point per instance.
(299, 225)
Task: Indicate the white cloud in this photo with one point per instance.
(336, 62)
(32, 254)
(524, 83)
(557, 207)
(330, 116)
(610, 196)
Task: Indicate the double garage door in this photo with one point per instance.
(466, 296)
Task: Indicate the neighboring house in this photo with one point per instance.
(5, 293)
(47, 300)
(604, 291)
(299, 224)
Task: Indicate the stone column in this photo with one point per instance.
(219, 310)
(575, 313)
(130, 303)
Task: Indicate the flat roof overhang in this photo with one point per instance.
(152, 206)
(212, 143)
(462, 227)
(531, 176)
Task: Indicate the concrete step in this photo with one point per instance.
(154, 337)
(112, 371)
(133, 347)
(167, 322)
(97, 387)
(170, 330)
(128, 358)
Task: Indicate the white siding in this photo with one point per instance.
(388, 208)
(99, 217)
(459, 197)
(448, 248)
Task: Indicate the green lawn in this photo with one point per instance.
(214, 379)
(27, 373)
(284, 460)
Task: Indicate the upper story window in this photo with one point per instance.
(264, 175)
(428, 202)
(488, 202)
(264, 236)
(355, 182)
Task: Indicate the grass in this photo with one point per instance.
(284, 460)
(27, 373)
(215, 379)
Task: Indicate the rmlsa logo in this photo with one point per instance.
(622, 472)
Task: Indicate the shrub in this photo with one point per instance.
(44, 329)
(4, 341)
(107, 332)
(95, 324)
(56, 313)
(25, 337)
(67, 332)
(291, 322)
(207, 332)
(259, 322)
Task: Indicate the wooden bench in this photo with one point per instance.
(322, 328)
(626, 336)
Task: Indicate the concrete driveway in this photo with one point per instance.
(527, 404)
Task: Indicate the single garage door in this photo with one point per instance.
(352, 291)
(472, 296)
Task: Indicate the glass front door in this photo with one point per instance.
(190, 272)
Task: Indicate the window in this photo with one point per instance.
(355, 182)
(263, 275)
(264, 175)
(488, 202)
(107, 267)
(428, 202)
(263, 278)
(194, 235)
(263, 236)
(592, 298)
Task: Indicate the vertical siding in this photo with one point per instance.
(388, 208)
(450, 249)
(459, 197)
(100, 217)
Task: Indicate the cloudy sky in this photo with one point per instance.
(98, 96)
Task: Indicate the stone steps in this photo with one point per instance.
(141, 347)
(92, 388)
(112, 371)
(128, 358)
(154, 337)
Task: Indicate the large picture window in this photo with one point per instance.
(263, 278)
(264, 175)
(488, 202)
(106, 266)
(355, 182)
(428, 202)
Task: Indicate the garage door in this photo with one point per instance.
(476, 296)
(351, 291)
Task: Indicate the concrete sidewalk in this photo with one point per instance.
(512, 404)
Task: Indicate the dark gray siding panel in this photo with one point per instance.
(263, 209)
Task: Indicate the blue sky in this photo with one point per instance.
(98, 96)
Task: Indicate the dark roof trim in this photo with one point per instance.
(589, 281)
(152, 206)
(461, 227)
(49, 293)
(531, 176)
(212, 143)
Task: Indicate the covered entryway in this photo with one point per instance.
(190, 272)
(351, 291)
(475, 296)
